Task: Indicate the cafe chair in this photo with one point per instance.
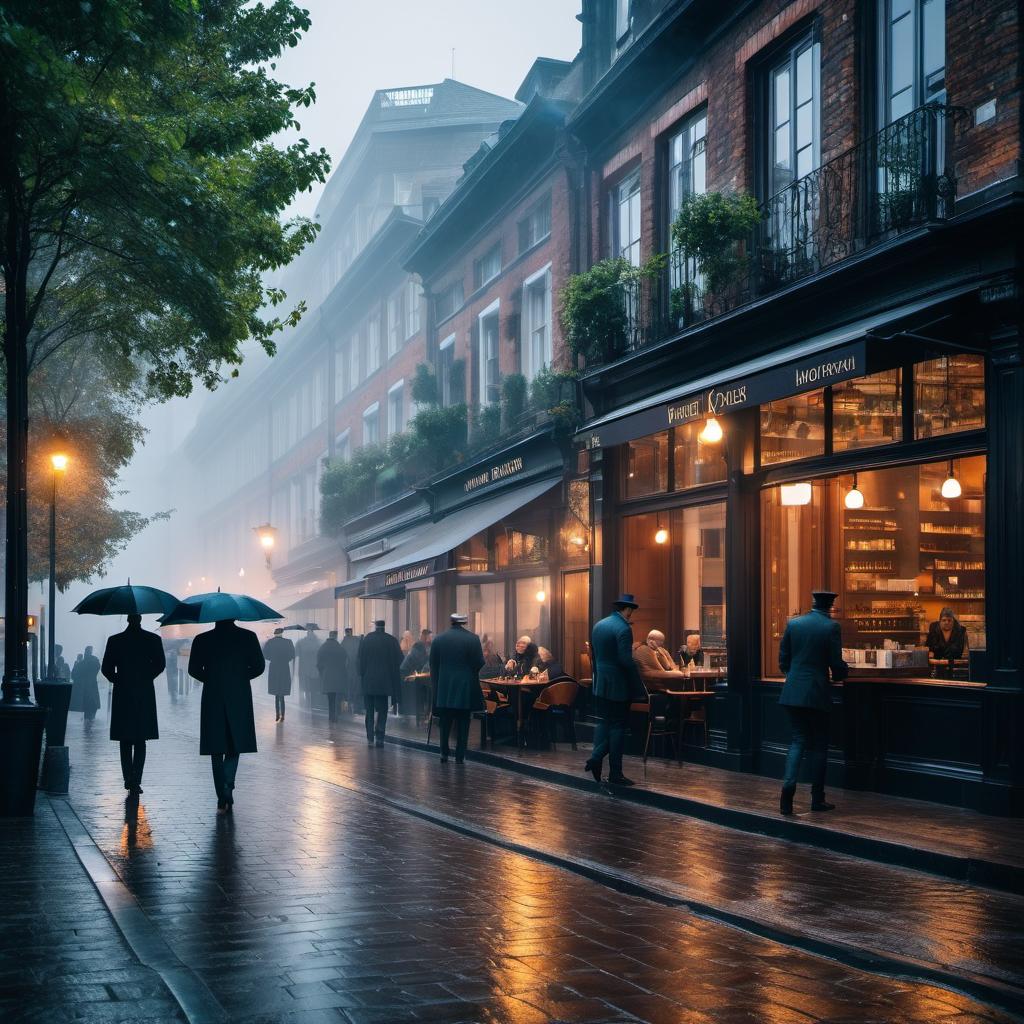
(660, 710)
(697, 718)
(556, 704)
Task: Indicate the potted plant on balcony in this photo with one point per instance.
(711, 229)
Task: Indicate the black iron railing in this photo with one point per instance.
(897, 180)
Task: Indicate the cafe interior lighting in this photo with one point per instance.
(951, 486)
(541, 597)
(795, 494)
(712, 431)
(661, 536)
(854, 496)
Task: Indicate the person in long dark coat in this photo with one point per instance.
(811, 648)
(225, 660)
(456, 658)
(380, 661)
(309, 677)
(617, 684)
(171, 671)
(131, 661)
(85, 689)
(332, 663)
(350, 645)
(279, 653)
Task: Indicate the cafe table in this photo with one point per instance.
(518, 685)
(704, 676)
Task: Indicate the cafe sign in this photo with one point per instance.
(727, 396)
(408, 574)
(501, 471)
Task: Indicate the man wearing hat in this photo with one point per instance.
(279, 653)
(616, 684)
(456, 658)
(332, 663)
(380, 658)
(811, 648)
(306, 650)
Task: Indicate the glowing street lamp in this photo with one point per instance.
(267, 535)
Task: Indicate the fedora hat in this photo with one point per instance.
(625, 601)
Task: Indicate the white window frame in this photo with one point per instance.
(398, 388)
(531, 364)
(394, 325)
(372, 413)
(444, 382)
(493, 310)
(343, 445)
(354, 361)
(411, 302)
(372, 344)
(480, 265)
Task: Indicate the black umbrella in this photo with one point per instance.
(128, 600)
(218, 607)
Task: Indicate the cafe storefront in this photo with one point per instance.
(850, 462)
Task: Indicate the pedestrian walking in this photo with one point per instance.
(85, 688)
(332, 663)
(616, 685)
(171, 671)
(132, 659)
(456, 658)
(811, 648)
(350, 645)
(309, 678)
(225, 660)
(60, 668)
(380, 658)
(279, 653)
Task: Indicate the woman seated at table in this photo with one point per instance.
(523, 660)
(550, 667)
(947, 642)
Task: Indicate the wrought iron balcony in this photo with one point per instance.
(897, 180)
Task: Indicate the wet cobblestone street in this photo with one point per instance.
(327, 896)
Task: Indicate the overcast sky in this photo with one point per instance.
(355, 47)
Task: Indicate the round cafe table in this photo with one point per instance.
(518, 685)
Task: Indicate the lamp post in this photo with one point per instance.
(53, 692)
(267, 535)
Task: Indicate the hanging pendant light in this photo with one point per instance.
(712, 432)
(661, 534)
(951, 486)
(854, 496)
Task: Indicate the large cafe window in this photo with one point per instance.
(897, 545)
(675, 564)
(674, 459)
(793, 428)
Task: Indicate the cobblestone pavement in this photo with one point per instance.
(315, 902)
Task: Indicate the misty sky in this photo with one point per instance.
(354, 48)
(351, 50)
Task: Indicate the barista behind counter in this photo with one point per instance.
(947, 644)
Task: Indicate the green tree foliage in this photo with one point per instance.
(711, 229)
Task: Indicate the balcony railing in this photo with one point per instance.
(893, 182)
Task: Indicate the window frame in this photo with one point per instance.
(398, 388)
(615, 194)
(444, 383)
(371, 414)
(478, 266)
(528, 328)
(493, 311)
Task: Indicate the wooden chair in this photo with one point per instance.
(554, 704)
(660, 722)
(697, 717)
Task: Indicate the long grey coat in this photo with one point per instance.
(279, 653)
(456, 658)
(131, 661)
(309, 676)
(225, 660)
(332, 662)
(350, 645)
(811, 647)
(380, 658)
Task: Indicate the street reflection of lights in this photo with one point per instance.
(854, 496)
(951, 486)
(712, 432)
(795, 494)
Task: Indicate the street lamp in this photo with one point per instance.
(59, 462)
(267, 535)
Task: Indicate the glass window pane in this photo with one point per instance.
(804, 125)
(934, 36)
(696, 463)
(646, 466)
(804, 78)
(793, 428)
(699, 535)
(781, 156)
(901, 7)
(949, 395)
(782, 104)
(484, 603)
(533, 609)
(901, 104)
(867, 411)
(805, 161)
(901, 66)
(699, 181)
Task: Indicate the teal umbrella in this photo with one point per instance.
(129, 600)
(218, 607)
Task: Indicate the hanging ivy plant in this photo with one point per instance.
(711, 230)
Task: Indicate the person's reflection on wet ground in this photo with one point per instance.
(131, 820)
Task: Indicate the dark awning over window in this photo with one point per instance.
(828, 358)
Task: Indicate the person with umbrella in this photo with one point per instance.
(380, 658)
(307, 649)
(332, 663)
(279, 653)
(456, 658)
(131, 661)
(85, 690)
(225, 660)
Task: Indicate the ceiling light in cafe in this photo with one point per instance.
(712, 432)
(854, 496)
(795, 494)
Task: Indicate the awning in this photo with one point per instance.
(828, 358)
(351, 588)
(318, 599)
(426, 551)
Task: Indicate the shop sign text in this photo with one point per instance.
(407, 575)
(825, 372)
(489, 476)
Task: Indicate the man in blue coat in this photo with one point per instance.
(456, 658)
(811, 648)
(617, 684)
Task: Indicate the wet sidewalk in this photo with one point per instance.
(362, 885)
(954, 842)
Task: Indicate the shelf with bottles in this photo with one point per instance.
(951, 529)
(875, 544)
(955, 564)
(874, 566)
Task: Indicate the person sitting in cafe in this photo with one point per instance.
(691, 653)
(550, 668)
(525, 658)
(418, 656)
(947, 642)
(494, 664)
(654, 663)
